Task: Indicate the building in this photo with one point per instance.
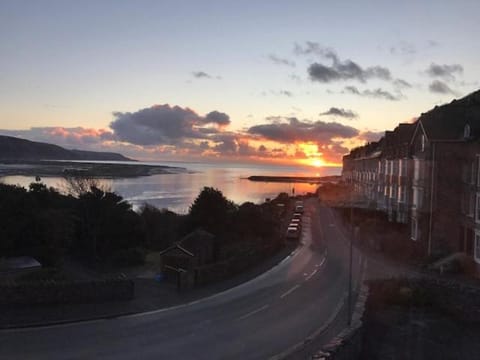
(427, 175)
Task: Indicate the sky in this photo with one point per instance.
(287, 82)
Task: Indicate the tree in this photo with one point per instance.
(212, 211)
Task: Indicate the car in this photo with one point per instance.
(297, 216)
(299, 209)
(293, 233)
(296, 221)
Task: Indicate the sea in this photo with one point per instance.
(177, 191)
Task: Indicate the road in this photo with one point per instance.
(256, 320)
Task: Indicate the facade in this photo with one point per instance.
(427, 176)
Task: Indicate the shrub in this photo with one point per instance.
(128, 257)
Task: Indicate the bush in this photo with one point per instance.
(42, 275)
(128, 257)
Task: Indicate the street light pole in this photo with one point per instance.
(350, 266)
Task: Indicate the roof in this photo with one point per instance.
(447, 122)
(18, 264)
(174, 248)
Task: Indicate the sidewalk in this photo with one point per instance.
(149, 295)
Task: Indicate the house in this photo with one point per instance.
(427, 176)
(180, 260)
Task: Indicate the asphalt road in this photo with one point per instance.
(260, 319)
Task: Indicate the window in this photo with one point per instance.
(417, 197)
(466, 131)
(414, 229)
(422, 142)
(471, 205)
(477, 210)
(477, 247)
(472, 172)
(416, 169)
(478, 170)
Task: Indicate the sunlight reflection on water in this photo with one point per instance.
(177, 191)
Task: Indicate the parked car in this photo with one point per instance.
(293, 232)
(297, 216)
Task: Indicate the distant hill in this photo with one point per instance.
(12, 148)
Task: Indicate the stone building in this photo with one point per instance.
(427, 175)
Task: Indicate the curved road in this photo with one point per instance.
(256, 320)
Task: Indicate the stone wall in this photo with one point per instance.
(65, 292)
(348, 344)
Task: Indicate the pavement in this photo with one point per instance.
(266, 317)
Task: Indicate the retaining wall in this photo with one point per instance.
(63, 292)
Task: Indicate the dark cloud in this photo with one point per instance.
(446, 72)
(217, 117)
(262, 148)
(163, 124)
(284, 93)
(314, 48)
(371, 136)
(345, 113)
(73, 137)
(339, 69)
(292, 130)
(281, 61)
(401, 84)
(204, 75)
(346, 70)
(439, 87)
(376, 93)
(403, 48)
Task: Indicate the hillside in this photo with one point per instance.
(12, 149)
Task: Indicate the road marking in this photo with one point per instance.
(289, 291)
(264, 307)
(310, 276)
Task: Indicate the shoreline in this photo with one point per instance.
(295, 179)
(49, 168)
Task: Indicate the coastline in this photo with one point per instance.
(296, 179)
(49, 168)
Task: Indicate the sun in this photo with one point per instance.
(316, 162)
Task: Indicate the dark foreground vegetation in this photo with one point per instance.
(421, 319)
(97, 227)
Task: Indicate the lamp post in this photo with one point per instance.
(352, 233)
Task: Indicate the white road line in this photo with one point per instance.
(310, 276)
(289, 291)
(253, 312)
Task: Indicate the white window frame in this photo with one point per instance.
(471, 201)
(477, 208)
(476, 247)
(478, 169)
(472, 172)
(414, 230)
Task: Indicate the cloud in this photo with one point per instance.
(163, 124)
(291, 130)
(403, 48)
(345, 113)
(439, 87)
(74, 137)
(216, 117)
(401, 84)
(338, 70)
(280, 61)
(204, 75)
(371, 136)
(376, 93)
(346, 70)
(446, 72)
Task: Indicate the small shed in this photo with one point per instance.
(180, 260)
(13, 266)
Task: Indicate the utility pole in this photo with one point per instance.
(352, 234)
